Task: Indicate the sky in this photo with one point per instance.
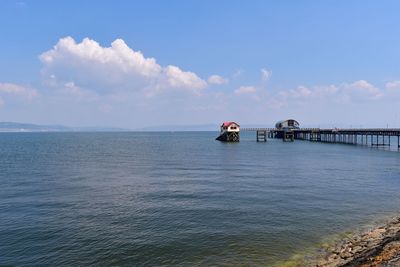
(135, 64)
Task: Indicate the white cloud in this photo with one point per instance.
(393, 85)
(216, 79)
(359, 91)
(245, 90)
(300, 91)
(303, 91)
(181, 79)
(17, 90)
(265, 74)
(362, 86)
(105, 69)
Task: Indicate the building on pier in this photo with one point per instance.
(287, 124)
(285, 129)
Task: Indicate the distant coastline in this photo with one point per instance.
(16, 127)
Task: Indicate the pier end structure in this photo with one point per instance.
(285, 129)
(229, 132)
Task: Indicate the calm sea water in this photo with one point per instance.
(182, 199)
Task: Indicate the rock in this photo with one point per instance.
(357, 249)
(377, 247)
(346, 255)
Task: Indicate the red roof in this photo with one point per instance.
(228, 123)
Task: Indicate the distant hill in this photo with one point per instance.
(28, 127)
(180, 128)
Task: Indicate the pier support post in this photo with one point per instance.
(398, 141)
(261, 136)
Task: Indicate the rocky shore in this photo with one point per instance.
(377, 247)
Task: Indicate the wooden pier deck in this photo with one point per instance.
(372, 137)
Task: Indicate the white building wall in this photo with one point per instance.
(233, 128)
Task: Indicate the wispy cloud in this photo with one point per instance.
(237, 73)
(17, 90)
(393, 85)
(216, 79)
(359, 91)
(245, 90)
(265, 74)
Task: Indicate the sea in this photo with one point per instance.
(182, 198)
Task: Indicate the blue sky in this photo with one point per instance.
(144, 63)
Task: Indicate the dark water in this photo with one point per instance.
(182, 199)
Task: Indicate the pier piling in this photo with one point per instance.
(261, 136)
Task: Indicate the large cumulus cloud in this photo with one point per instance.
(89, 65)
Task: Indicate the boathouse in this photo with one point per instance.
(229, 132)
(230, 126)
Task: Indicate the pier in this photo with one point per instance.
(289, 131)
(372, 137)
